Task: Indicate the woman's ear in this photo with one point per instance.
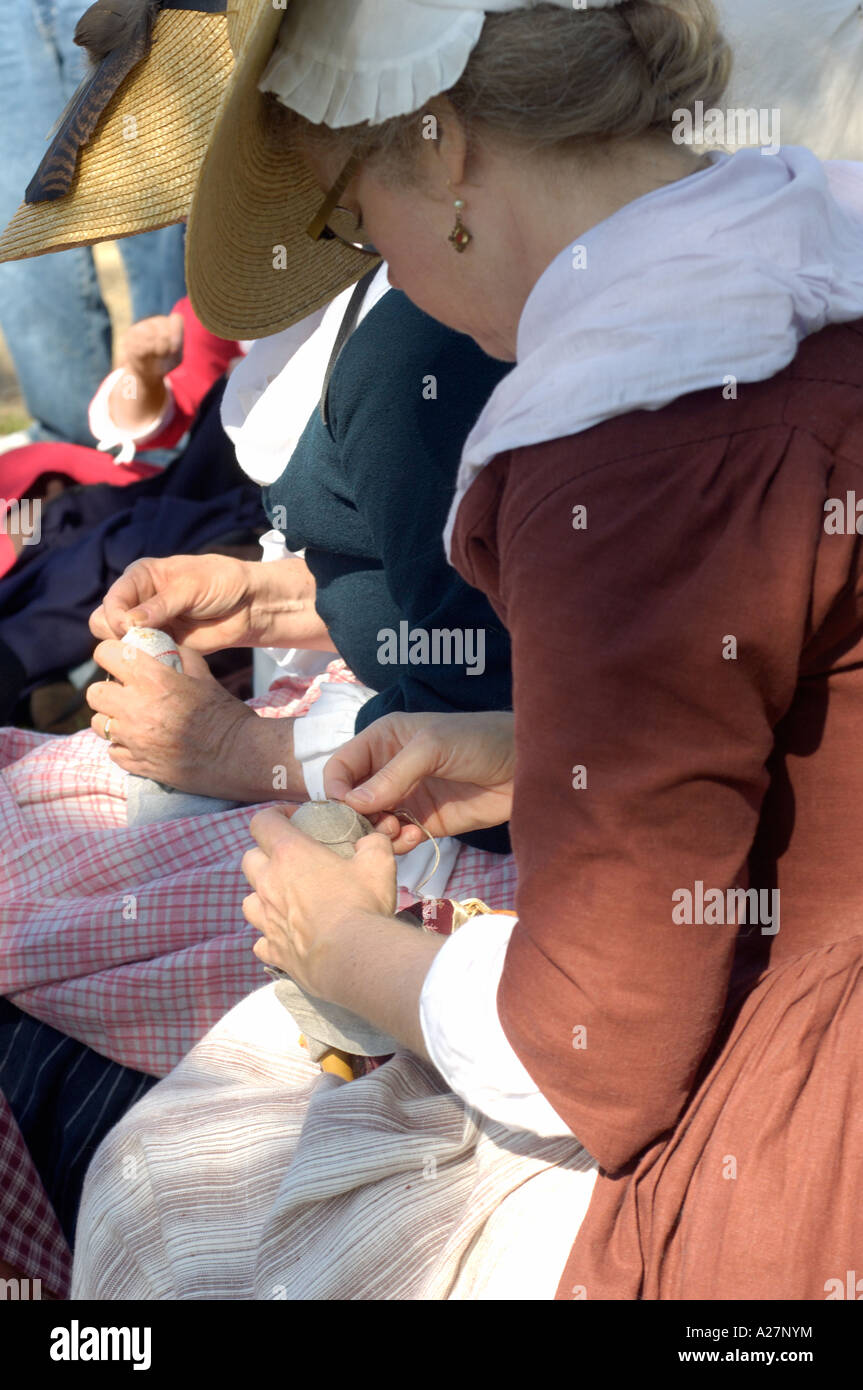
(446, 146)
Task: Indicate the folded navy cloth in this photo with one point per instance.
(90, 535)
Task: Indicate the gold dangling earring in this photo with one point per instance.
(460, 237)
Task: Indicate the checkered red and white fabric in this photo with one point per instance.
(133, 940)
(31, 1241)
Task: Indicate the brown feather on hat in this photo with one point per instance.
(135, 169)
(117, 34)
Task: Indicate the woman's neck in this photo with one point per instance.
(550, 202)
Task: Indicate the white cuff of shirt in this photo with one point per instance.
(463, 1032)
(329, 723)
(108, 435)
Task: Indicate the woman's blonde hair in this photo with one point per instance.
(549, 78)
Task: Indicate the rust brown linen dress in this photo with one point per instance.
(688, 664)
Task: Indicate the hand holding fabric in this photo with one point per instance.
(453, 772)
(305, 897)
(204, 601)
(185, 731)
(211, 602)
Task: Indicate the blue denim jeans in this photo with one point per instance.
(51, 309)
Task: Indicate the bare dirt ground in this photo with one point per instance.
(112, 277)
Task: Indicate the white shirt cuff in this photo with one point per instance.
(463, 1032)
(329, 723)
(109, 435)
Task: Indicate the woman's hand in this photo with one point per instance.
(210, 602)
(309, 904)
(328, 923)
(154, 347)
(186, 731)
(453, 772)
(206, 602)
(151, 349)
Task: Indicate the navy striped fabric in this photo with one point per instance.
(65, 1098)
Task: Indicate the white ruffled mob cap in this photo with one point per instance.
(343, 62)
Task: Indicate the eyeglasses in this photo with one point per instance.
(334, 223)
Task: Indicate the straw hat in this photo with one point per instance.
(250, 267)
(249, 262)
(199, 96)
(139, 169)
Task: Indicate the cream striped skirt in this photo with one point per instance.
(248, 1174)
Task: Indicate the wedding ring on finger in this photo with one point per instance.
(106, 732)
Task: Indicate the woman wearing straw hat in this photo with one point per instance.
(659, 500)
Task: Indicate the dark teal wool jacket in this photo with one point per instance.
(368, 493)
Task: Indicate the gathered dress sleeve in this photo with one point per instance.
(657, 607)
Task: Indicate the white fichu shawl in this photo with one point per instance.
(718, 276)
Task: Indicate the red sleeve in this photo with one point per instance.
(205, 359)
(622, 666)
